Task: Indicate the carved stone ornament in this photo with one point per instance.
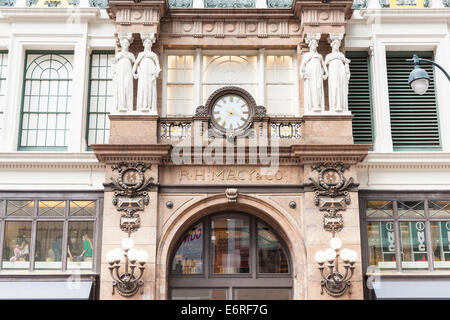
(130, 193)
(231, 194)
(331, 193)
(201, 111)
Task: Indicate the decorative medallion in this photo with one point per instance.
(130, 193)
(331, 193)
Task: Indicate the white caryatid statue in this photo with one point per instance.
(313, 71)
(338, 75)
(147, 69)
(123, 75)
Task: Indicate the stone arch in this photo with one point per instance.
(283, 223)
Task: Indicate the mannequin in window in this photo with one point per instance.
(73, 249)
(122, 75)
(147, 69)
(338, 75)
(21, 249)
(86, 255)
(313, 71)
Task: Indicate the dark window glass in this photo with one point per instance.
(80, 245)
(271, 256)
(188, 258)
(16, 247)
(52, 208)
(413, 245)
(49, 245)
(199, 294)
(440, 238)
(230, 245)
(381, 238)
(262, 294)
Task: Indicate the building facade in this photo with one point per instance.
(231, 140)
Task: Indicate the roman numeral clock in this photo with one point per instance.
(231, 111)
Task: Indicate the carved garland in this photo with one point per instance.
(331, 193)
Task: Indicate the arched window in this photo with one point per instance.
(46, 100)
(230, 256)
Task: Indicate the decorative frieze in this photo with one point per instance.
(229, 3)
(285, 130)
(175, 130)
(219, 28)
(180, 3)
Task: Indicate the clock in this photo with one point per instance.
(230, 112)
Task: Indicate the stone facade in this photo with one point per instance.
(322, 138)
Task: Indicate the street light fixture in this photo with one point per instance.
(419, 78)
(334, 282)
(127, 282)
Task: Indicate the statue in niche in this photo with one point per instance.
(313, 71)
(122, 75)
(338, 75)
(147, 69)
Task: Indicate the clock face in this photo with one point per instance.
(231, 112)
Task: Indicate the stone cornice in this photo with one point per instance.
(52, 160)
(406, 160)
(287, 155)
(111, 153)
(48, 14)
(351, 153)
(406, 14)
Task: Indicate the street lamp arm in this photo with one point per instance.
(437, 65)
(416, 60)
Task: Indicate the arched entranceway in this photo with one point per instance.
(230, 255)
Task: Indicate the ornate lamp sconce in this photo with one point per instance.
(331, 193)
(127, 283)
(334, 282)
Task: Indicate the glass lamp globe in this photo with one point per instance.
(320, 256)
(345, 254)
(330, 255)
(133, 254)
(419, 80)
(127, 243)
(110, 256)
(335, 243)
(353, 256)
(142, 256)
(118, 254)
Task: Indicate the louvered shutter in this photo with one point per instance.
(359, 97)
(414, 118)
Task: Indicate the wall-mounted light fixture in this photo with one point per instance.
(334, 282)
(127, 282)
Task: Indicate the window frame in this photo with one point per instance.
(395, 197)
(389, 52)
(67, 128)
(198, 83)
(88, 113)
(67, 197)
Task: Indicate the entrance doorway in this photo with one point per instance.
(230, 256)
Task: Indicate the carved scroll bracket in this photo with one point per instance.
(331, 193)
(130, 193)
